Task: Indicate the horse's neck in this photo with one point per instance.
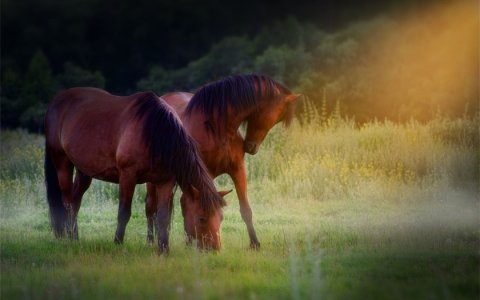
(230, 128)
(200, 126)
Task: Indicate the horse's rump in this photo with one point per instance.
(88, 126)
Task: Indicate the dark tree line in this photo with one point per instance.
(321, 48)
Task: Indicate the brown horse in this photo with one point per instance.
(125, 140)
(213, 116)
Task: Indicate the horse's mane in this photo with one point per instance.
(239, 92)
(172, 147)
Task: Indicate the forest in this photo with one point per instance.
(395, 60)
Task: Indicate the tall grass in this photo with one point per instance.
(381, 210)
(336, 158)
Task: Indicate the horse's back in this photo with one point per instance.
(76, 101)
(69, 98)
(178, 101)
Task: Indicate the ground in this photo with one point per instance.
(342, 211)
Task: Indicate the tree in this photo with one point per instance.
(10, 106)
(38, 89)
(159, 81)
(285, 64)
(74, 76)
(232, 55)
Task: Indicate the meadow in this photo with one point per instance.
(343, 211)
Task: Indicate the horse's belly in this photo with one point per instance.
(110, 175)
(93, 160)
(155, 177)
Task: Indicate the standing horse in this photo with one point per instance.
(213, 116)
(125, 140)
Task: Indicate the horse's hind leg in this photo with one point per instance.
(64, 169)
(127, 187)
(80, 185)
(150, 210)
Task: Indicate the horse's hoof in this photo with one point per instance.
(188, 241)
(72, 237)
(117, 241)
(59, 234)
(255, 246)
(163, 251)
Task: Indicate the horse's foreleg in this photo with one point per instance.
(127, 187)
(239, 177)
(164, 214)
(80, 185)
(189, 238)
(150, 209)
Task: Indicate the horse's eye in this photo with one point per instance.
(202, 220)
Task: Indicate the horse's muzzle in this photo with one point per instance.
(250, 147)
(209, 243)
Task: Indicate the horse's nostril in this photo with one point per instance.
(250, 147)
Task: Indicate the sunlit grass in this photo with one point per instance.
(379, 211)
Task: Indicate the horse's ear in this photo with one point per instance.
(195, 192)
(224, 193)
(292, 97)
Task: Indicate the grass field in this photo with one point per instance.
(381, 211)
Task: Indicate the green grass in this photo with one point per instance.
(382, 211)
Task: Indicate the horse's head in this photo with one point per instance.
(204, 226)
(266, 116)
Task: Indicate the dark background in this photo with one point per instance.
(124, 46)
(124, 38)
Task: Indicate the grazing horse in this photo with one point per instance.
(213, 116)
(125, 140)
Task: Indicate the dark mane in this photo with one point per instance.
(171, 147)
(239, 92)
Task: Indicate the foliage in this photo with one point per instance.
(25, 97)
(285, 63)
(382, 68)
(159, 81)
(383, 210)
(391, 66)
(74, 76)
(11, 107)
(231, 55)
(123, 43)
(36, 91)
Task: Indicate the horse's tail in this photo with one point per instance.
(58, 211)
